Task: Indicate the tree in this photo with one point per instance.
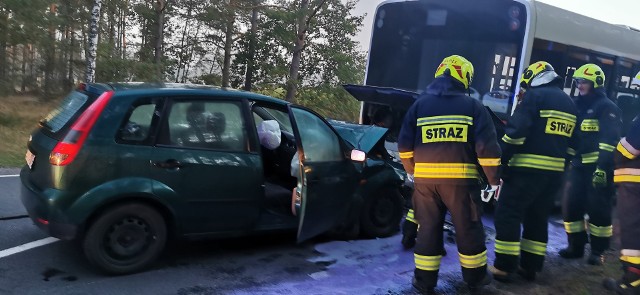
(93, 42)
(303, 46)
(305, 15)
(161, 5)
(252, 46)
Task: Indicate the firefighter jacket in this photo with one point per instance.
(446, 135)
(599, 127)
(541, 133)
(627, 162)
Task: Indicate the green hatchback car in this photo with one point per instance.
(123, 167)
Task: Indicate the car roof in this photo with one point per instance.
(147, 88)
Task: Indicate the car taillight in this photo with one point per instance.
(66, 150)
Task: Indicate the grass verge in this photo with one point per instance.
(19, 115)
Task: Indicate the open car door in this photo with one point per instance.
(327, 178)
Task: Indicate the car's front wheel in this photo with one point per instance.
(125, 238)
(381, 213)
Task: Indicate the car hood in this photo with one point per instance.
(361, 137)
(382, 95)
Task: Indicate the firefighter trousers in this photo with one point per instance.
(580, 198)
(430, 204)
(527, 198)
(628, 206)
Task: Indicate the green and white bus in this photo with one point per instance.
(501, 38)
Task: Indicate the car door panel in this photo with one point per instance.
(327, 180)
(208, 168)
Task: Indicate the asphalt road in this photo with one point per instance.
(271, 264)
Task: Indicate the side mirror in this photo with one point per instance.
(358, 156)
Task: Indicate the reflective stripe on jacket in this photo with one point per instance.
(626, 155)
(446, 135)
(599, 127)
(541, 133)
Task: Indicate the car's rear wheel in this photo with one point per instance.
(125, 238)
(381, 213)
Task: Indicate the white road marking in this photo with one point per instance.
(27, 246)
(15, 175)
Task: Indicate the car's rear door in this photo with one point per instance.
(327, 179)
(206, 160)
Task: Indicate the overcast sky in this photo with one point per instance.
(625, 12)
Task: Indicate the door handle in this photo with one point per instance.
(168, 164)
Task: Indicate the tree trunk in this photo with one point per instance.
(23, 86)
(111, 19)
(90, 74)
(228, 42)
(248, 80)
(187, 67)
(50, 55)
(4, 33)
(123, 30)
(304, 19)
(72, 50)
(294, 68)
(159, 34)
(181, 55)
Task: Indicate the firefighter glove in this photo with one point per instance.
(599, 178)
(490, 192)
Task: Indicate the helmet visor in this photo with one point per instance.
(581, 81)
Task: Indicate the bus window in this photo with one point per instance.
(627, 96)
(410, 39)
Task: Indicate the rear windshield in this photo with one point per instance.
(61, 115)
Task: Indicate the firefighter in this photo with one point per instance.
(627, 178)
(589, 187)
(535, 148)
(443, 137)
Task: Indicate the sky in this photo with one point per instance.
(626, 12)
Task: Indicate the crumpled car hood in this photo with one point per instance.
(361, 137)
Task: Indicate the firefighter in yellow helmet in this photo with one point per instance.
(589, 186)
(627, 179)
(534, 152)
(443, 137)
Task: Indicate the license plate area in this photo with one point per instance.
(29, 158)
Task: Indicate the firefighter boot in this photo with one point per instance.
(476, 289)
(424, 290)
(500, 275)
(595, 259)
(573, 251)
(528, 275)
(425, 281)
(569, 253)
(628, 285)
(576, 246)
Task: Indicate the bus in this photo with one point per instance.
(501, 38)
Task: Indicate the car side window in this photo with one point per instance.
(138, 124)
(319, 142)
(217, 125)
